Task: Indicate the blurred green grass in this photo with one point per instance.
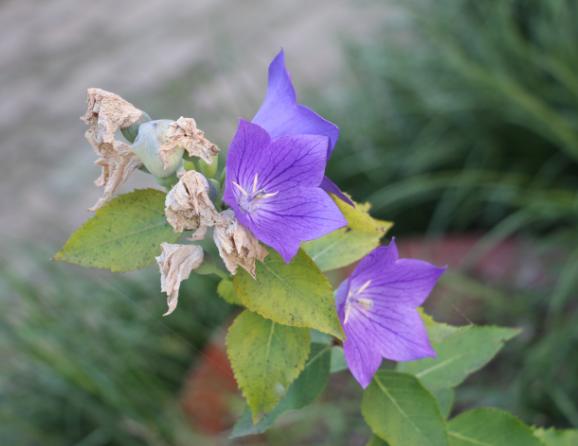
(462, 117)
(88, 359)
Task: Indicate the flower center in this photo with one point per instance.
(355, 299)
(250, 199)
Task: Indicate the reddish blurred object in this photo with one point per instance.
(511, 261)
(209, 389)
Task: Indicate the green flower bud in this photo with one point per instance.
(150, 138)
(131, 132)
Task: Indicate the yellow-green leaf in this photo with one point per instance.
(226, 291)
(295, 294)
(123, 235)
(349, 244)
(303, 391)
(266, 358)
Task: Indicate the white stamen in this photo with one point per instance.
(263, 196)
(366, 304)
(255, 180)
(353, 298)
(363, 287)
(240, 188)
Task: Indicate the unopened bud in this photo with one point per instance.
(151, 136)
(131, 132)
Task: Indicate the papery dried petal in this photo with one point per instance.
(184, 134)
(237, 246)
(188, 205)
(106, 113)
(116, 168)
(176, 263)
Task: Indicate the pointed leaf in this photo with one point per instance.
(460, 353)
(490, 427)
(123, 235)
(338, 363)
(266, 358)
(302, 392)
(554, 437)
(295, 294)
(402, 412)
(226, 291)
(351, 243)
(445, 398)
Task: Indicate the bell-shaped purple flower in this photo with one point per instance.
(377, 306)
(281, 115)
(273, 186)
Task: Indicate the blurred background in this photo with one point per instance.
(459, 121)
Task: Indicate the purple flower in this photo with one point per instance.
(377, 306)
(272, 185)
(281, 115)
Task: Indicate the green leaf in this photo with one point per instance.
(460, 353)
(124, 235)
(437, 331)
(490, 427)
(346, 245)
(445, 398)
(295, 294)
(554, 437)
(402, 412)
(376, 441)
(338, 362)
(226, 291)
(266, 357)
(302, 392)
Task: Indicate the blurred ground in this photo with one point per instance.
(205, 58)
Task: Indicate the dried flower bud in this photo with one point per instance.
(188, 205)
(184, 134)
(237, 246)
(176, 263)
(106, 113)
(151, 135)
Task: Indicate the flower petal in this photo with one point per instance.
(400, 281)
(105, 114)
(293, 216)
(176, 263)
(397, 331)
(280, 164)
(281, 115)
(377, 308)
(236, 245)
(362, 358)
(244, 153)
(188, 205)
(331, 188)
(184, 134)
